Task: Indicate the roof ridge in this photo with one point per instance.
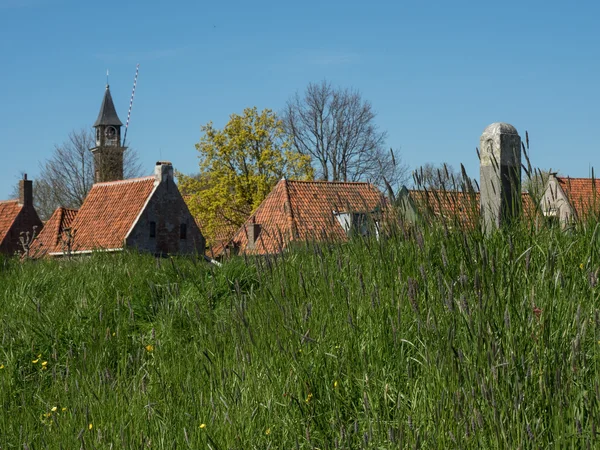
(128, 180)
(12, 200)
(578, 178)
(330, 182)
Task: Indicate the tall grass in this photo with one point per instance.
(432, 337)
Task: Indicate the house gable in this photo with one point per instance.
(165, 225)
(555, 201)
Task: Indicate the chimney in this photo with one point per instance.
(163, 171)
(252, 230)
(26, 191)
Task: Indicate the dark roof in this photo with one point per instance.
(108, 114)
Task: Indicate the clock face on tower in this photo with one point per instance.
(111, 132)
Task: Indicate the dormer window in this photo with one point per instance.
(355, 223)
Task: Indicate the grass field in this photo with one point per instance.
(431, 338)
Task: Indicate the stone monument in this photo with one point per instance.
(500, 175)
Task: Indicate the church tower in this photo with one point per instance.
(108, 152)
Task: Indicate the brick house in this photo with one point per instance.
(18, 216)
(301, 211)
(146, 213)
(567, 199)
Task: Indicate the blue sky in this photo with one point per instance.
(437, 73)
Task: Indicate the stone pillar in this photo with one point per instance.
(500, 175)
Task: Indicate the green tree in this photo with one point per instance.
(239, 165)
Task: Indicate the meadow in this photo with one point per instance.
(430, 337)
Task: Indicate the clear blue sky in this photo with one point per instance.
(437, 73)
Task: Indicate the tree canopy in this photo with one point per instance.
(239, 165)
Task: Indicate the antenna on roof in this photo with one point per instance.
(137, 68)
(107, 77)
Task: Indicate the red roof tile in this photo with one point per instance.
(50, 239)
(458, 206)
(583, 194)
(108, 213)
(304, 210)
(9, 210)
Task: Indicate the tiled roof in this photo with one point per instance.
(304, 210)
(583, 194)
(458, 206)
(108, 213)
(50, 239)
(9, 210)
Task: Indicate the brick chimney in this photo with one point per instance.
(26, 191)
(163, 171)
(252, 230)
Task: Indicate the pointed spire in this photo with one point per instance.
(108, 114)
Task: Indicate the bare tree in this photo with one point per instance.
(67, 176)
(442, 176)
(336, 127)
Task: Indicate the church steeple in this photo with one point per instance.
(108, 114)
(108, 153)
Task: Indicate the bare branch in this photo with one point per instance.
(337, 129)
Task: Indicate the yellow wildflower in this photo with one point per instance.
(308, 398)
(54, 409)
(44, 363)
(202, 425)
(64, 408)
(35, 361)
(39, 356)
(335, 384)
(149, 348)
(268, 431)
(90, 426)
(1, 366)
(48, 414)
(581, 266)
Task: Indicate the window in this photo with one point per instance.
(183, 231)
(152, 229)
(360, 224)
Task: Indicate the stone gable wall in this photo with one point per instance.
(554, 201)
(168, 211)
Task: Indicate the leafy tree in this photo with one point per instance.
(239, 165)
(337, 129)
(67, 176)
